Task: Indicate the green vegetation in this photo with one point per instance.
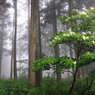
(49, 86)
(80, 36)
(14, 86)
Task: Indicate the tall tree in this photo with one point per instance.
(35, 43)
(70, 3)
(3, 8)
(15, 36)
(29, 38)
(1, 43)
(55, 31)
(12, 56)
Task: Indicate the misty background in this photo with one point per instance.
(50, 10)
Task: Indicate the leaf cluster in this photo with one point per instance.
(61, 62)
(81, 34)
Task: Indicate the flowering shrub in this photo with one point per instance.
(80, 34)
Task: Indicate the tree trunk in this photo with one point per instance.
(35, 43)
(80, 72)
(29, 38)
(15, 36)
(12, 55)
(55, 31)
(1, 43)
(70, 2)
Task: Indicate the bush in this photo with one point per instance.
(14, 86)
(49, 86)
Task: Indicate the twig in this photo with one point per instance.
(72, 47)
(68, 71)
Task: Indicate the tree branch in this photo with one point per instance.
(93, 93)
(72, 47)
(68, 71)
(86, 88)
(73, 82)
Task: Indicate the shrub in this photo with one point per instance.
(49, 86)
(14, 86)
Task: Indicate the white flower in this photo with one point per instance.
(89, 32)
(83, 33)
(76, 10)
(75, 62)
(56, 37)
(86, 37)
(83, 37)
(66, 20)
(93, 42)
(85, 9)
(83, 13)
(52, 40)
(92, 36)
(67, 35)
(64, 34)
(72, 32)
(91, 8)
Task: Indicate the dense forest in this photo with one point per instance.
(47, 47)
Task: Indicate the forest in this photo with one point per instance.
(47, 47)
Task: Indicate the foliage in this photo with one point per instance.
(49, 86)
(80, 34)
(14, 86)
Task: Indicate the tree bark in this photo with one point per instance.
(70, 2)
(12, 55)
(55, 31)
(15, 37)
(29, 38)
(1, 43)
(35, 44)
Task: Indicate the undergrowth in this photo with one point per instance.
(48, 86)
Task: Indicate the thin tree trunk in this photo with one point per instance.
(29, 38)
(1, 44)
(12, 55)
(11, 68)
(11, 64)
(54, 31)
(35, 44)
(69, 13)
(15, 37)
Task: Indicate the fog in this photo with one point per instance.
(46, 27)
